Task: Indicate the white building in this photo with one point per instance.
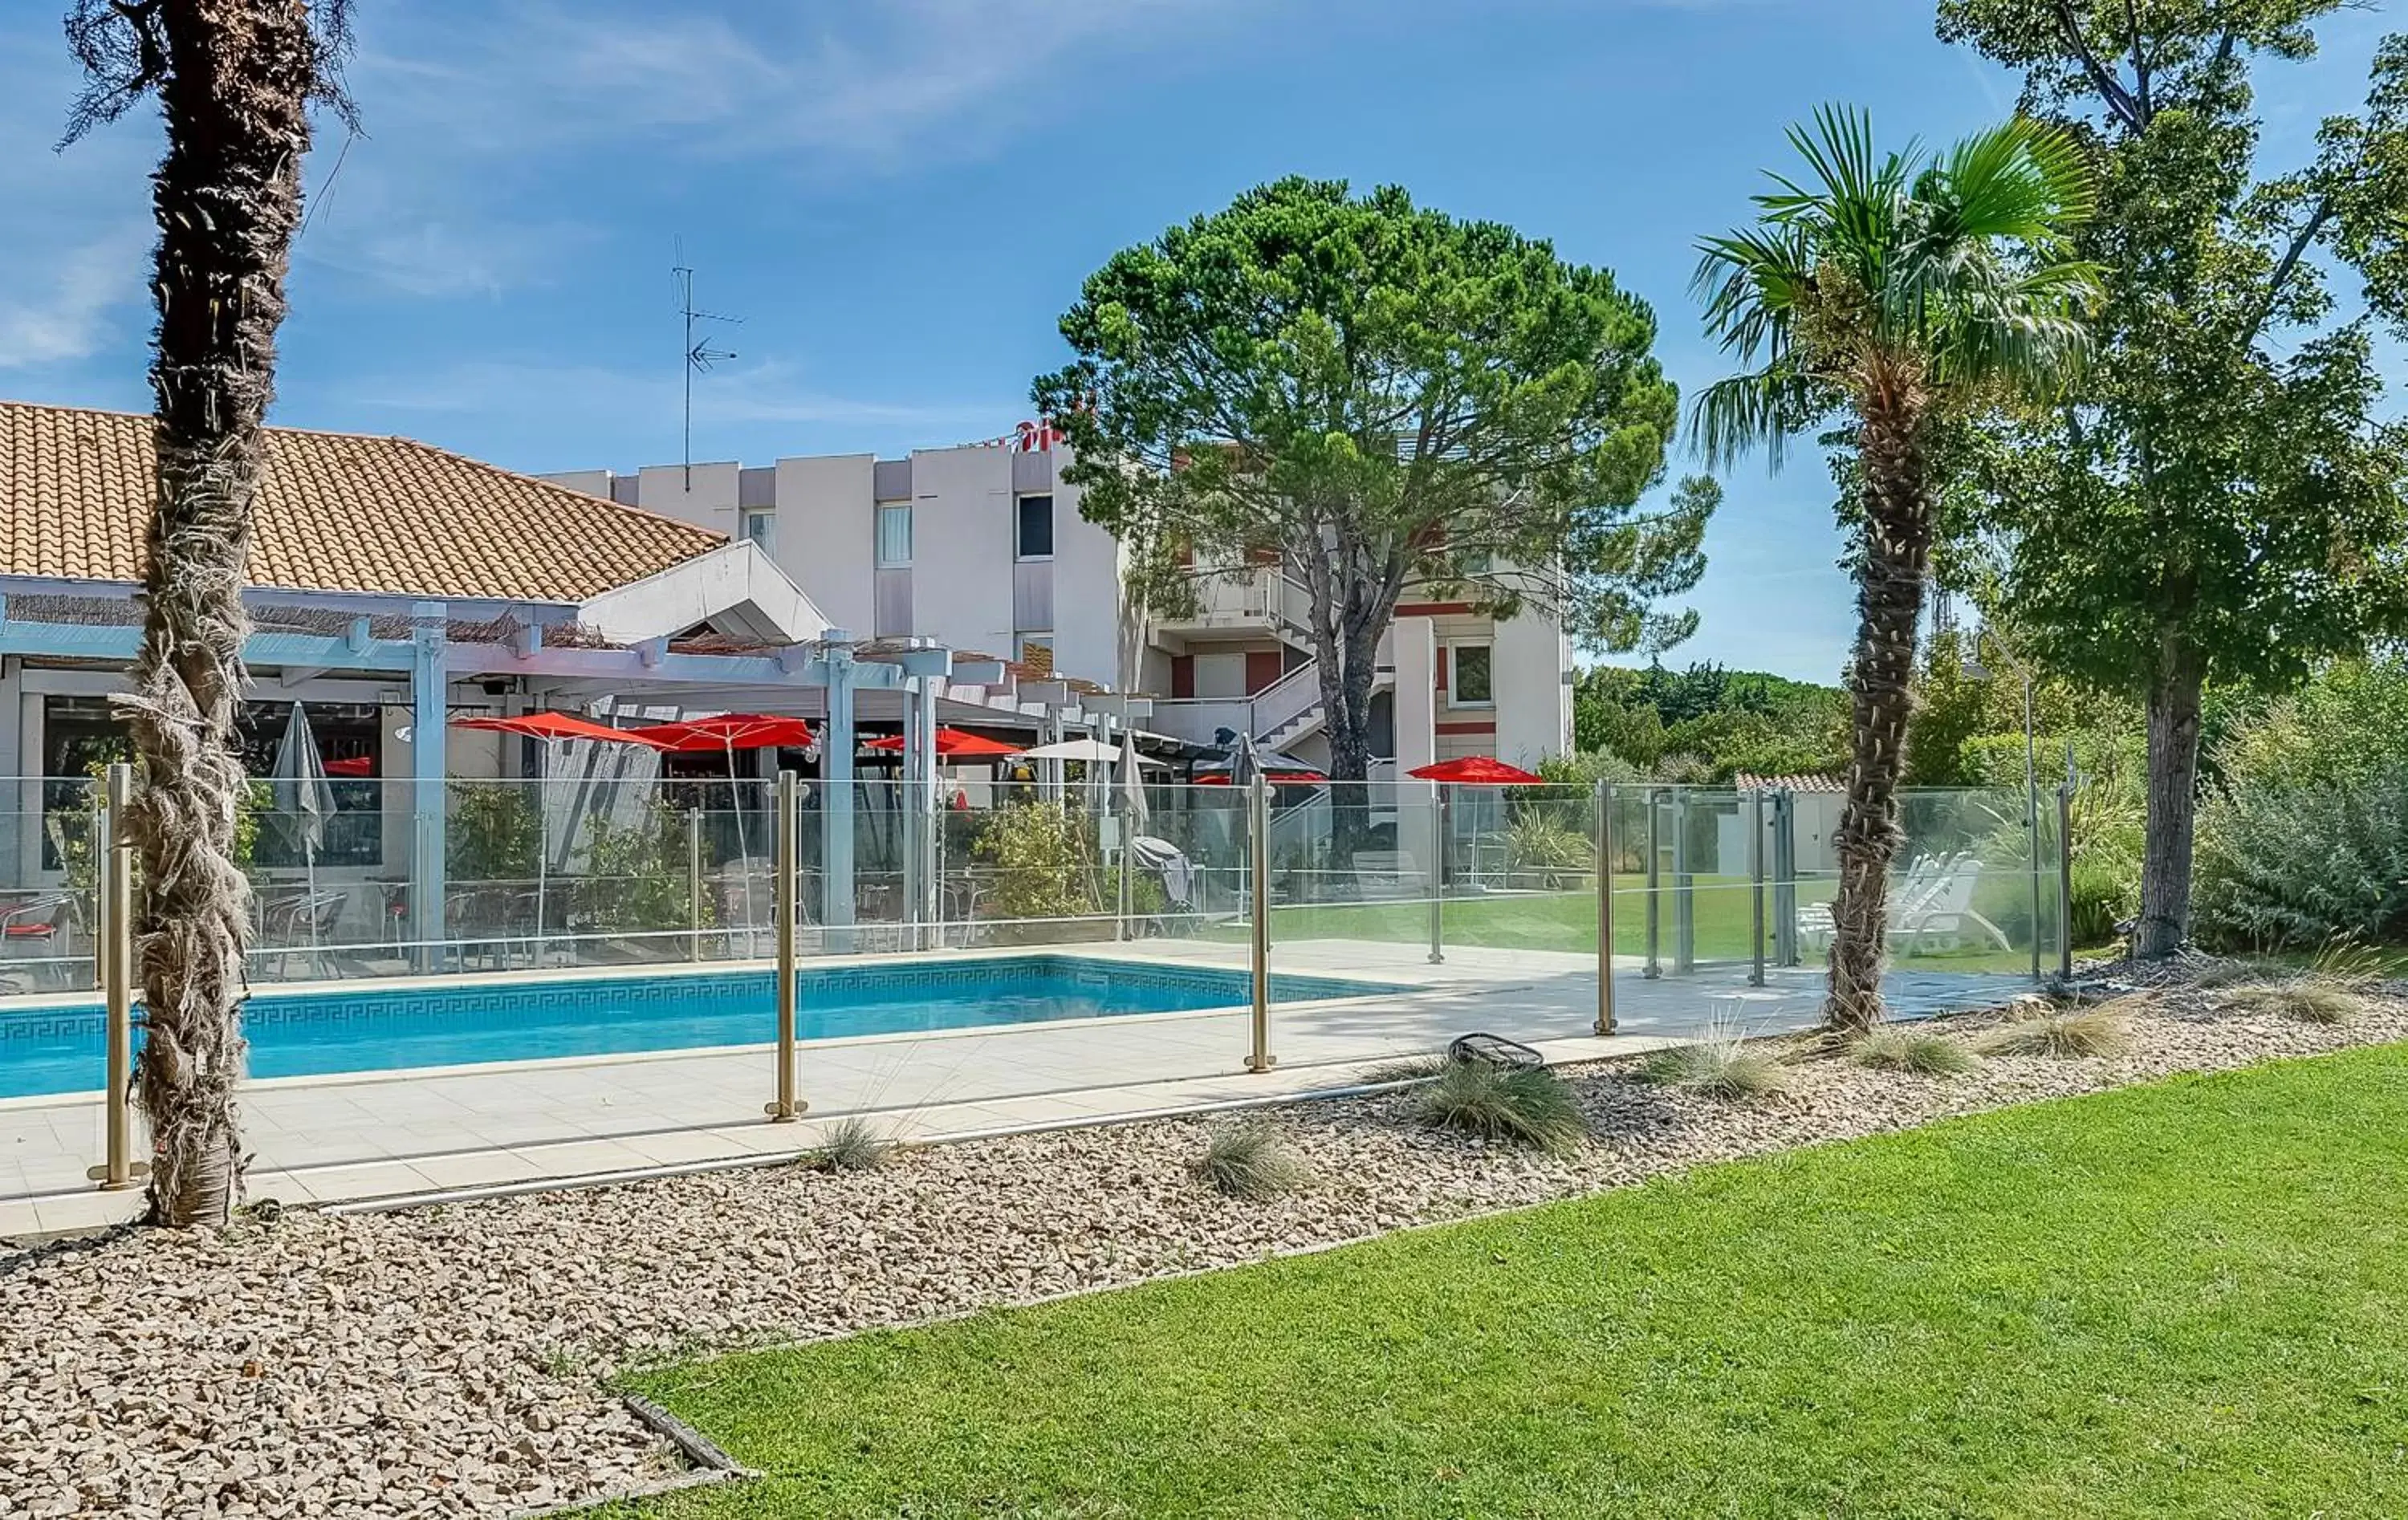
(982, 548)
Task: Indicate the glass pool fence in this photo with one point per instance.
(481, 876)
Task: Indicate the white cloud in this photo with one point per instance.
(835, 91)
(69, 310)
(75, 235)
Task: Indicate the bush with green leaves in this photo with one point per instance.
(638, 876)
(494, 832)
(2307, 839)
(1041, 856)
(1542, 848)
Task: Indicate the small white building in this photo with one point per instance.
(982, 548)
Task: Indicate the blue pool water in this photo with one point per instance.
(59, 1050)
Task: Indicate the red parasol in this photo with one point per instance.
(358, 765)
(952, 744)
(1477, 770)
(551, 727)
(730, 732)
(1272, 775)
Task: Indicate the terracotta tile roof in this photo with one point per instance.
(336, 512)
(1746, 782)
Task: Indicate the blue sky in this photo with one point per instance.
(900, 196)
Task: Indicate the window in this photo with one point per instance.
(1476, 561)
(1034, 538)
(80, 732)
(894, 535)
(1037, 651)
(1470, 676)
(761, 528)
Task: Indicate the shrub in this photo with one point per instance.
(639, 878)
(852, 1143)
(1541, 845)
(1043, 855)
(1520, 1108)
(2100, 1032)
(1719, 1066)
(1917, 1051)
(2307, 839)
(2304, 1000)
(1253, 1161)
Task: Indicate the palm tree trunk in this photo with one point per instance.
(2174, 723)
(1897, 553)
(234, 94)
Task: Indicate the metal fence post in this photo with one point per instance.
(694, 882)
(1604, 908)
(113, 855)
(1654, 882)
(1684, 890)
(1785, 877)
(787, 1107)
(1756, 888)
(1439, 836)
(1258, 848)
(2065, 878)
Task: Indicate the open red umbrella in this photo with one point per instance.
(730, 732)
(1476, 770)
(952, 744)
(553, 729)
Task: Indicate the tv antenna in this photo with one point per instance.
(699, 354)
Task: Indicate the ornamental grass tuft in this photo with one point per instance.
(1529, 1108)
(1917, 1052)
(1253, 1161)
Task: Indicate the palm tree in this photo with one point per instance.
(1904, 291)
(235, 79)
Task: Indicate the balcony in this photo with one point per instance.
(1256, 603)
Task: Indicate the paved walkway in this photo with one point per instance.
(379, 1135)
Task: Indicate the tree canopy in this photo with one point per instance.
(2220, 499)
(1382, 396)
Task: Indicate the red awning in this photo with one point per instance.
(1477, 770)
(553, 726)
(729, 732)
(952, 744)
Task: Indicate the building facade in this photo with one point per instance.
(982, 548)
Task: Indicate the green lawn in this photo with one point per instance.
(1567, 920)
(2188, 1299)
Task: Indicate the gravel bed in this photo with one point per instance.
(452, 1360)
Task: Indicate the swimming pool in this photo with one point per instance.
(60, 1050)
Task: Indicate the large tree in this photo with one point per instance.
(234, 80)
(1902, 292)
(1382, 397)
(2221, 502)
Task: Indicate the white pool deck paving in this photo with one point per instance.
(386, 1135)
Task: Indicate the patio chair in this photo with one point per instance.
(1910, 898)
(303, 921)
(1939, 920)
(1387, 873)
(38, 926)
